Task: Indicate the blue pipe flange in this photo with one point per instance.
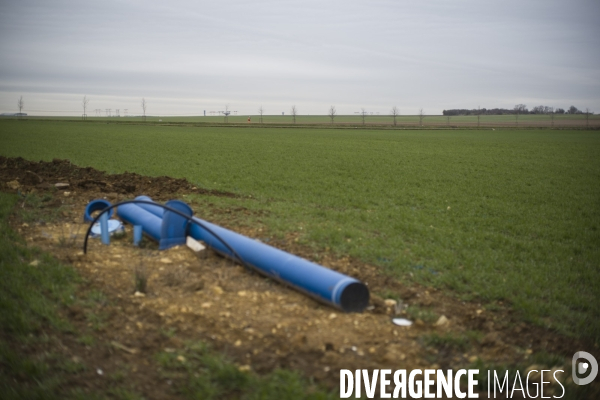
(96, 205)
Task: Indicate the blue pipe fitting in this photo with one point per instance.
(168, 229)
(96, 205)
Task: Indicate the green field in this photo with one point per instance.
(511, 215)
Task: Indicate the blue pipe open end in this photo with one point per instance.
(96, 205)
(354, 297)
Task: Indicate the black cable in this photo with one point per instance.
(181, 214)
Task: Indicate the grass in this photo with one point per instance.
(208, 375)
(505, 215)
(452, 341)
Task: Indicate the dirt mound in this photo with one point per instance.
(261, 324)
(43, 175)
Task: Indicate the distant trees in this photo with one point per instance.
(573, 110)
(331, 113)
(85, 103)
(144, 105)
(520, 109)
(294, 112)
(261, 112)
(363, 114)
(542, 110)
(395, 112)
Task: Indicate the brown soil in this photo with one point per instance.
(258, 323)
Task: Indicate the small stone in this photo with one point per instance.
(181, 358)
(390, 302)
(25, 225)
(244, 368)
(99, 371)
(479, 312)
(217, 289)
(442, 321)
(139, 294)
(332, 316)
(206, 305)
(35, 263)
(242, 293)
(237, 343)
(472, 359)
(61, 185)
(166, 260)
(13, 184)
(66, 194)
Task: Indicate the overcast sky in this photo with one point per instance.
(185, 57)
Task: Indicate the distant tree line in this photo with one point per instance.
(518, 109)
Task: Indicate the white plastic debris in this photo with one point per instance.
(194, 244)
(402, 322)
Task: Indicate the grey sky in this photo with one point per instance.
(188, 56)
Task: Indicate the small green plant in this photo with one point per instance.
(69, 235)
(452, 341)
(140, 276)
(86, 340)
(424, 314)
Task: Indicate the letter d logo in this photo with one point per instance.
(582, 368)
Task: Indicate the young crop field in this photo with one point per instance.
(503, 217)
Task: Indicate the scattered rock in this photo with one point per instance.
(61, 185)
(442, 321)
(139, 294)
(218, 290)
(35, 263)
(14, 185)
(119, 346)
(390, 302)
(166, 260)
(332, 316)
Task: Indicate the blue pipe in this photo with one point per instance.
(136, 215)
(321, 283)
